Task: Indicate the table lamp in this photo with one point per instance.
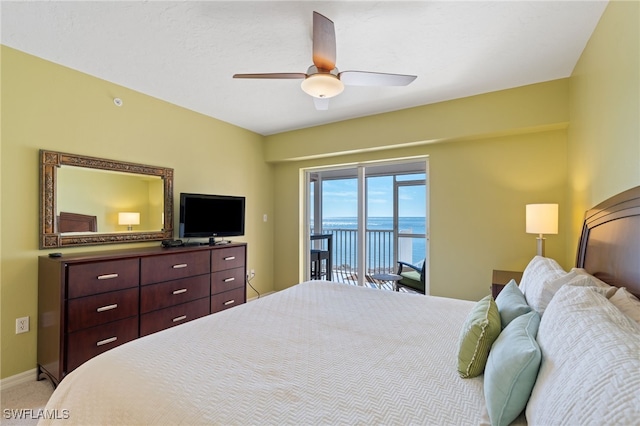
(542, 219)
(129, 219)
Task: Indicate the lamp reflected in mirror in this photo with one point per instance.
(129, 219)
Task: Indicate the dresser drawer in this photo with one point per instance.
(174, 315)
(169, 267)
(228, 299)
(98, 277)
(85, 312)
(157, 296)
(227, 258)
(227, 280)
(85, 344)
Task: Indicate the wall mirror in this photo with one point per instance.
(89, 201)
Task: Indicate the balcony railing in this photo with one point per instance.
(381, 257)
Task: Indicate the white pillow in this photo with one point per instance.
(590, 369)
(627, 303)
(539, 270)
(538, 296)
(597, 282)
(543, 277)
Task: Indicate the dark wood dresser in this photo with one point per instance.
(91, 302)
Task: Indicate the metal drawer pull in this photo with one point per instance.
(182, 290)
(107, 308)
(179, 265)
(107, 276)
(226, 280)
(229, 302)
(180, 318)
(230, 258)
(105, 341)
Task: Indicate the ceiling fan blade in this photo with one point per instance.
(322, 104)
(276, 75)
(324, 42)
(366, 78)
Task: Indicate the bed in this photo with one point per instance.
(328, 353)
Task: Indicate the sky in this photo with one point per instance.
(340, 198)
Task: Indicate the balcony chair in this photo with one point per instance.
(318, 270)
(412, 276)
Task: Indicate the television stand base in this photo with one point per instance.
(192, 244)
(213, 242)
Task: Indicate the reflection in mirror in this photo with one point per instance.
(82, 200)
(119, 192)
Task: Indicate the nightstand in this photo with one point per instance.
(502, 278)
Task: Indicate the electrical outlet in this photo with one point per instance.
(22, 325)
(253, 273)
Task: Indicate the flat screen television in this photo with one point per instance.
(204, 215)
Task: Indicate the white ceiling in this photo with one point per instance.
(186, 52)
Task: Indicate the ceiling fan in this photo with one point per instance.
(323, 80)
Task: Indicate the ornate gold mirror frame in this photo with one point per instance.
(50, 237)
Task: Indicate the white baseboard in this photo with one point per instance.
(18, 379)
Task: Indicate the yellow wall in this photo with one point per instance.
(478, 187)
(604, 135)
(52, 107)
(528, 108)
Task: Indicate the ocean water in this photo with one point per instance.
(416, 224)
(379, 244)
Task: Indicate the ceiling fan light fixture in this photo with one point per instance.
(322, 85)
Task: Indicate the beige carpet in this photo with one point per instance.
(23, 403)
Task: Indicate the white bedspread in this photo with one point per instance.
(316, 353)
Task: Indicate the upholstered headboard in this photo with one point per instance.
(609, 246)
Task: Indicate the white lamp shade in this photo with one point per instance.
(128, 218)
(542, 218)
(322, 85)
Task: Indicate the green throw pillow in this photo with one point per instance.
(511, 303)
(512, 369)
(479, 331)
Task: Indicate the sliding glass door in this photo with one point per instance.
(340, 219)
(410, 195)
(375, 215)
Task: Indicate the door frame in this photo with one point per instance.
(305, 207)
